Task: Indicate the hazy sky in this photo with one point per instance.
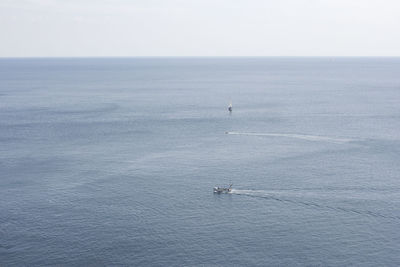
(199, 28)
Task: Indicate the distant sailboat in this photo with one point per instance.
(230, 107)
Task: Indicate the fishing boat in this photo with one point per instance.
(220, 190)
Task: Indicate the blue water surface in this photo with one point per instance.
(112, 161)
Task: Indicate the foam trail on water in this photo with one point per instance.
(298, 200)
(298, 136)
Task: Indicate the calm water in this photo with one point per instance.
(112, 161)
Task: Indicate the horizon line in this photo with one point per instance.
(105, 57)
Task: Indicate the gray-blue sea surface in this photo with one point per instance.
(112, 161)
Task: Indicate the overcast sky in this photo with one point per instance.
(42, 28)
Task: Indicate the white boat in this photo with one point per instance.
(220, 190)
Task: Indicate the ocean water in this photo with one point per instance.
(113, 161)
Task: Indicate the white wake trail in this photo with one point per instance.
(298, 136)
(315, 201)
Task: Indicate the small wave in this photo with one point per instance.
(298, 136)
(310, 204)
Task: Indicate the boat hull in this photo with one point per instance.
(218, 190)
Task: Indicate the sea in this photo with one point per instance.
(112, 161)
